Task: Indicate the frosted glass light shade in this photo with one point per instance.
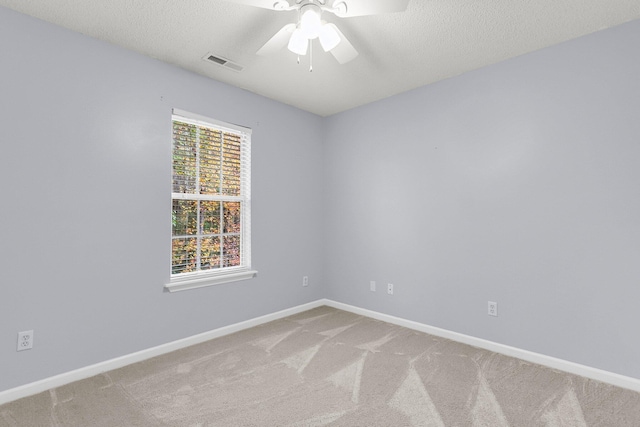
(298, 43)
(329, 37)
(310, 23)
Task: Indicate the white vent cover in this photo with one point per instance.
(223, 62)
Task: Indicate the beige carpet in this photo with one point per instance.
(329, 367)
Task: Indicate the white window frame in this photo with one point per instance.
(198, 279)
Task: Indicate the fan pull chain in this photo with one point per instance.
(310, 56)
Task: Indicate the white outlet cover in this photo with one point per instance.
(372, 286)
(390, 289)
(25, 340)
(492, 308)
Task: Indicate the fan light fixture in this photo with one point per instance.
(299, 36)
(310, 27)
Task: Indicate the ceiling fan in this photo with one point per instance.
(298, 36)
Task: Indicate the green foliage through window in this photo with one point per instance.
(207, 203)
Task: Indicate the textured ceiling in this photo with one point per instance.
(431, 41)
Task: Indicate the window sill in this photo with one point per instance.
(204, 281)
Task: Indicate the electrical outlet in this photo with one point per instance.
(25, 340)
(389, 288)
(372, 286)
(493, 308)
(305, 281)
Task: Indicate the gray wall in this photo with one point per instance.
(85, 171)
(517, 183)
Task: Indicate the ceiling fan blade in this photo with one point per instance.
(369, 7)
(278, 41)
(267, 4)
(344, 51)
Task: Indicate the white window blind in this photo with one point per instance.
(211, 202)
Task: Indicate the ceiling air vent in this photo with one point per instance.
(223, 62)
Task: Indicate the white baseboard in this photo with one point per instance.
(529, 356)
(119, 362)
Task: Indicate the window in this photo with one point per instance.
(211, 202)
